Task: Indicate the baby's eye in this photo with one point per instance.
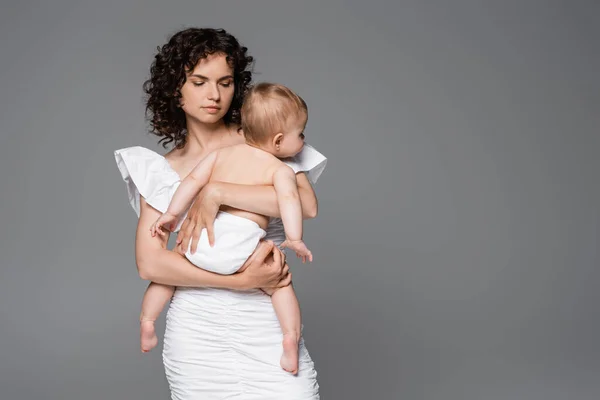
(302, 136)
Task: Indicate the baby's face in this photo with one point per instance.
(293, 137)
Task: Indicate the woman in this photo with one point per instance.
(219, 343)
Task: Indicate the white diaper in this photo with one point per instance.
(235, 239)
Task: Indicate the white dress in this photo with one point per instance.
(221, 343)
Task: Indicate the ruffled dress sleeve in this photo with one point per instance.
(309, 161)
(148, 174)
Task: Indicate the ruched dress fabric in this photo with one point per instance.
(221, 343)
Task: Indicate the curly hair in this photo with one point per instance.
(169, 72)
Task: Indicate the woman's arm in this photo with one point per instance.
(257, 199)
(263, 199)
(160, 265)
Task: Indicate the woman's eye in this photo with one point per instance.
(198, 83)
(226, 84)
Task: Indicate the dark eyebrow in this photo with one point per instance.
(223, 78)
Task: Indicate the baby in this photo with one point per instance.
(273, 121)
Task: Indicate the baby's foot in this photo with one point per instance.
(148, 337)
(289, 358)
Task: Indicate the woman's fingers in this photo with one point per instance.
(182, 231)
(285, 270)
(285, 281)
(262, 251)
(184, 240)
(277, 257)
(196, 230)
(186, 237)
(179, 249)
(260, 254)
(210, 230)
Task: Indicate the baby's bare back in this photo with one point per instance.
(245, 165)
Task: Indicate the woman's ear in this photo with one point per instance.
(277, 139)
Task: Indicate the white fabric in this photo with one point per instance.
(309, 160)
(226, 344)
(235, 239)
(221, 343)
(150, 175)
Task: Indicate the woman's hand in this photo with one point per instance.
(265, 268)
(201, 215)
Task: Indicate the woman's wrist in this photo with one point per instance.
(239, 281)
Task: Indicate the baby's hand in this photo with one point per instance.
(300, 248)
(165, 221)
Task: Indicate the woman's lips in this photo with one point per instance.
(212, 110)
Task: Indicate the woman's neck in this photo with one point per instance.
(204, 138)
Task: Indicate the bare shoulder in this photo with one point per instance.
(176, 159)
(173, 155)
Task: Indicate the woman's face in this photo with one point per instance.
(208, 91)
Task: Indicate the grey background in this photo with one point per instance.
(457, 242)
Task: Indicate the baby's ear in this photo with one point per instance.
(240, 131)
(277, 139)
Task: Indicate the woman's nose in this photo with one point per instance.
(214, 93)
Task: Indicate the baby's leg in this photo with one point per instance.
(287, 309)
(155, 299)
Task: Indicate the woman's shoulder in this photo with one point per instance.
(174, 154)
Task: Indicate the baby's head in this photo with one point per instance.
(273, 118)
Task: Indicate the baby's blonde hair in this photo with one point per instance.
(268, 109)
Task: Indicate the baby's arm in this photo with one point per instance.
(286, 187)
(185, 193)
(288, 199)
(191, 185)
